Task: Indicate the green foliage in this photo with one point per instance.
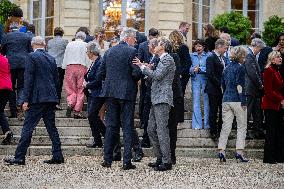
(272, 27)
(239, 25)
(6, 7)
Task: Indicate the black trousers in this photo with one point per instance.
(254, 110)
(17, 76)
(184, 78)
(119, 113)
(215, 113)
(61, 74)
(97, 126)
(274, 141)
(172, 125)
(4, 96)
(145, 118)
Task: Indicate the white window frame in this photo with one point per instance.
(43, 15)
(245, 12)
(200, 16)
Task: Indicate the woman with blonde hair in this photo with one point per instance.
(234, 104)
(179, 47)
(273, 105)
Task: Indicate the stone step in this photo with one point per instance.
(62, 114)
(84, 151)
(181, 142)
(86, 132)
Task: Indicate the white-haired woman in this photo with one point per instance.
(234, 104)
(75, 61)
(273, 105)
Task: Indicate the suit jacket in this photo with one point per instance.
(253, 81)
(177, 88)
(1, 33)
(56, 48)
(140, 38)
(214, 71)
(16, 46)
(234, 42)
(162, 80)
(41, 83)
(143, 52)
(91, 77)
(273, 87)
(117, 72)
(185, 61)
(263, 57)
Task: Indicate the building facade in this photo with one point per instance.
(164, 15)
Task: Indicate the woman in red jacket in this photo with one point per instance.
(273, 104)
(5, 88)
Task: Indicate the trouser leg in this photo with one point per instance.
(4, 94)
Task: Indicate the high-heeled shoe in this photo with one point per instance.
(222, 157)
(240, 158)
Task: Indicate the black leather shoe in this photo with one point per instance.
(138, 156)
(106, 164)
(13, 161)
(79, 116)
(163, 167)
(8, 138)
(54, 161)
(95, 145)
(154, 164)
(128, 166)
(68, 112)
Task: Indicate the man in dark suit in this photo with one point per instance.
(254, 87)
(1, 34)
(40, 98)
(215, 65)
(144, 55)
(140, 37)
(16, 46)
(119, 89)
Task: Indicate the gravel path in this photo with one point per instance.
(86, 172)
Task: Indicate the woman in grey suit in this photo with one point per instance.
(162, 99)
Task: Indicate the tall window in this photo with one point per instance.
(122, 12)
(250, 8)
(201, 15)
(42, 16)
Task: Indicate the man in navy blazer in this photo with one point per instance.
(215, 65)
(41, 87)
(119, 89)
(16, 46)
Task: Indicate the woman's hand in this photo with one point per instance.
(137, 62)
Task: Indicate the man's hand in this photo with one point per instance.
(85, 84)
(25, 106)
(137, 62)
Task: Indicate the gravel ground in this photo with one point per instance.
(86, 172)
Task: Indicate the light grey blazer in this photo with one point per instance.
(162, 80)
(56, 48)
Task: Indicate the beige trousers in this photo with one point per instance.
(229, 110)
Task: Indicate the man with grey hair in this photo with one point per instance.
(40, 98)
(254, 88)
(75, 62)
(119, 90)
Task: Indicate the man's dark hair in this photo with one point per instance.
(84, 29)
(17, 12)
(58, 31)
(31, 28)
(136, 25)
(255, 35)
(224, 29)
(153, 32)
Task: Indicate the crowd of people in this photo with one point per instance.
(236, 82)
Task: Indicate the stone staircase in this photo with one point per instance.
(76, 133)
